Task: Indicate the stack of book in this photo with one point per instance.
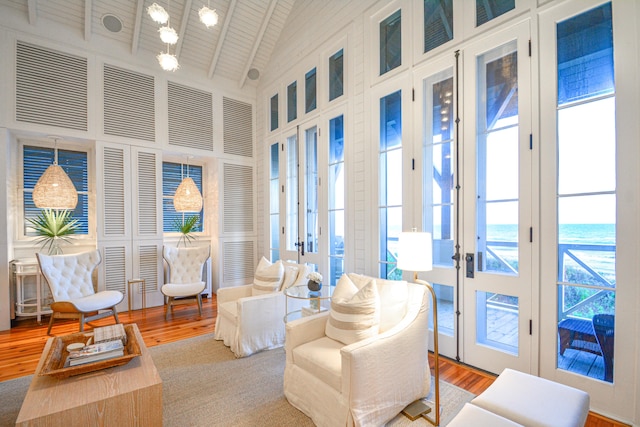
(96, 352)
(110, 333)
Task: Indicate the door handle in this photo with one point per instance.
(301, 246)
(469, 265)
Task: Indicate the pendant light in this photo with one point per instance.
(54, 189)
(208, 16)
(187, 197)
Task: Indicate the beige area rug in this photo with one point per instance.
(205, 385)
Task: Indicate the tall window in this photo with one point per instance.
(310, 91)
(172, 175)
(391, 42)
(336, 199)
(486, 10)
(587, 183)
(390, 184)
(336, 75)
(273, 112)
(292, 194)
(497, 161)
(438, 23)
(274, 201)
(35, 161)
(292, 101)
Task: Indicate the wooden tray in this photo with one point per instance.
(54, 362)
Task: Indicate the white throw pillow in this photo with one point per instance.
(355, 313)
(268, 277)
(393, 298)
(290, 275)
(393, 302)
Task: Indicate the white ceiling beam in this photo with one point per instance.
(32, 10)
(258, 40)
(88, 13)
(137, 27)
(183, 26)
(223, 35)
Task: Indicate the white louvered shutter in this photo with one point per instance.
(237, 127)
(190, 117)
(238, 198)
(238, 262)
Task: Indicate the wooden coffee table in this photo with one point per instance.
(120, 396)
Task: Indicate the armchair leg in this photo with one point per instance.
(169, 305)
(115, 314)
(53, 316)
(81, 321)
(200, 305)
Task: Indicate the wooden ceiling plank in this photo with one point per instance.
(183, 26)
(88, 14)
(32, 9)
(137, 27)
(223, 34)
(256, 43)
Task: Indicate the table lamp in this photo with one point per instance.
(415, 254)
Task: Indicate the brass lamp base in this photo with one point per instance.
(416, 409)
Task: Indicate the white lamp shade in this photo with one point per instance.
(187, 197)
(415, 252)
(54, 190)
(208, 17)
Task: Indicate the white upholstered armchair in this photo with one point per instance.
(371, 378)
(251, 317)
(70, 279)
(184, 275)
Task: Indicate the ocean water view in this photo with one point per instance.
(584, 234)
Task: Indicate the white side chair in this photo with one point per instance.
(184, 275)
(70, 278)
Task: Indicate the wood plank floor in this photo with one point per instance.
(21, 347)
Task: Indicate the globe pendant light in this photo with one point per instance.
(158, 14)
(187, 197)
(54, 189)
(208, 16)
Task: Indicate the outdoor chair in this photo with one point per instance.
(604, 327)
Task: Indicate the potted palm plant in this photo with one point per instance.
(186, 227)
(53, 226)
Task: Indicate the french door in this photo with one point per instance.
(477, 198)
(497, 223)
(303, 190)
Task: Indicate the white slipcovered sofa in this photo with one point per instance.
(251, 317)
(343, 369)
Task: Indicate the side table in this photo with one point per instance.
(302, 292)
(143, 290)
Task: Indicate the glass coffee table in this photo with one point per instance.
(302, 292)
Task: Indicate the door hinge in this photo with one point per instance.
(529, 47)
(530, 141)
(530, 327)
(530, 234)
(283, 188)
(282, 230)
(282, 145)
(413, 164)
(319, 133)
(413, 94)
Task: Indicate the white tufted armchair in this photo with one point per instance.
(70, 278)
(184, 274)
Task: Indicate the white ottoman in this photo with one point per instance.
(472, 415)
(534, 401)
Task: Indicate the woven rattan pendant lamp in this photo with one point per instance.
(187, 197)
(54, 189)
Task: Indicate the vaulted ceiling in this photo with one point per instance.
(237, 48)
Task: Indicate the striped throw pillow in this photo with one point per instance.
(355, 313)
(268, 277)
